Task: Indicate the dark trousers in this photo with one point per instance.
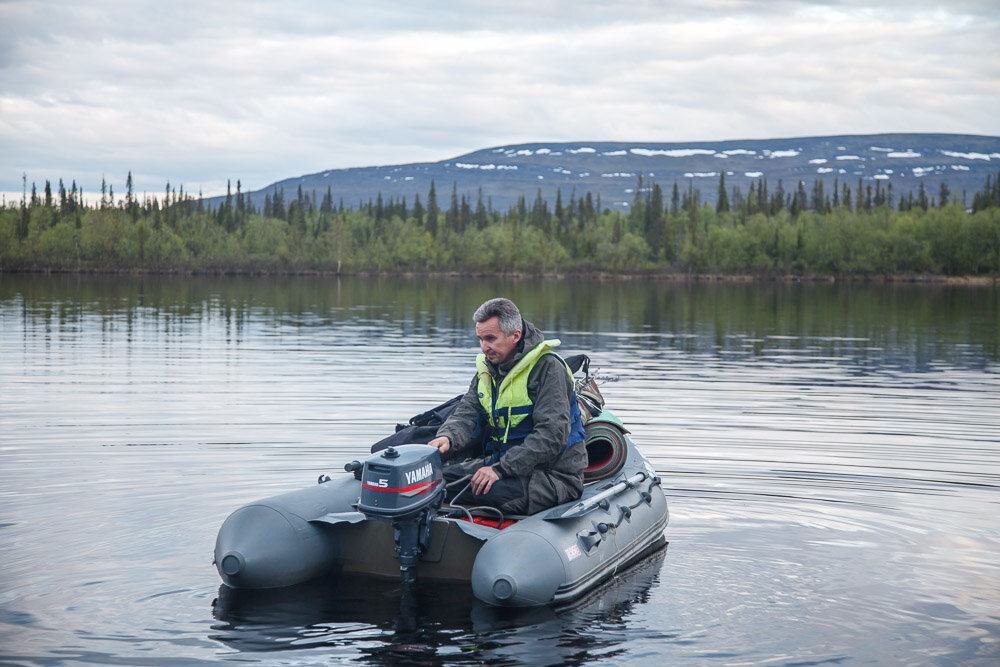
(507, 494)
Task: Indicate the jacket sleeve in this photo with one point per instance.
(461, 424)
(550, 390)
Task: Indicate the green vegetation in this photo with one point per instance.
(864, 232)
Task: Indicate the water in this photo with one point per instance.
(829, 453)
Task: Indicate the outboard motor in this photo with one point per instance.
(405, 485)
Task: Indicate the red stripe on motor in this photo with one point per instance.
(402, 490)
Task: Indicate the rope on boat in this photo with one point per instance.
(487, 509)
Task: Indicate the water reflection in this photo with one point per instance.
(829, 454)
(431, 623)
(909, 326)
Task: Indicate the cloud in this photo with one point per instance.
(200, 92)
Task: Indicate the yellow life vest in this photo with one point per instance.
(508, 407)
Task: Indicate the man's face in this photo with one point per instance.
(495, 344)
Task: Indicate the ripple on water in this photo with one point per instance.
(833, 479)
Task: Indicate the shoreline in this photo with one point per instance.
(661, 276)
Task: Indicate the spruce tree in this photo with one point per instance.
(451, 215)
(818, 196)
(637, 214)
(432, 211)
(655, 220)
(130, 203)
(418, 210)
(464, 214)
(722, 204)
(922, 200)
(481, 220)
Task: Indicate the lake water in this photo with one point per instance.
(830, 455)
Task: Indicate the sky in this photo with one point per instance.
(197, 93)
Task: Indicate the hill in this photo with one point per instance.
(611, 170)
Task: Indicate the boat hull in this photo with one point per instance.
(549, 558)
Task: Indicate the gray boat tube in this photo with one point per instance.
(558, 555)
(286, 539)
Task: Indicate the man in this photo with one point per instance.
(534, 453)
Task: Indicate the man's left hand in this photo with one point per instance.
(482, 480)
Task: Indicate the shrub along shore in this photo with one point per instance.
(862, 234)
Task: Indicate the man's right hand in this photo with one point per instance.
(443, 443)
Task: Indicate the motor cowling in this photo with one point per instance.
(402, 480)
(405, 485)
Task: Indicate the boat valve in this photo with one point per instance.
(233, 563)
(504, 588)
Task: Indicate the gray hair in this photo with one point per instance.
(510, 316)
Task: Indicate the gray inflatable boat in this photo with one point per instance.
(389, 519)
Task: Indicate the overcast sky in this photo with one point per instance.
(198, 92)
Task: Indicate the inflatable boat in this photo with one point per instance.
(386, 517)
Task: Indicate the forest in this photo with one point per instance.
(857, 229)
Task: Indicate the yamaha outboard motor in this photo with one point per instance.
(403, 484)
